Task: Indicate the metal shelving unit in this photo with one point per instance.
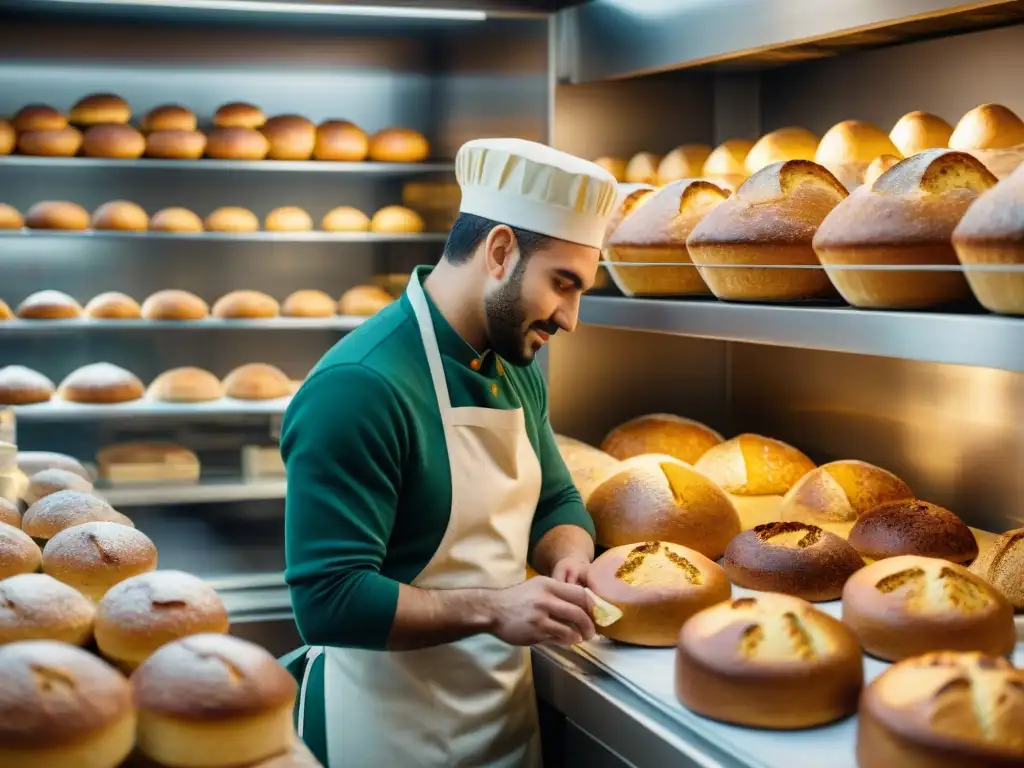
(209, 490)
(64, 411)
(229, 237)
(33, 327)
(368, 168)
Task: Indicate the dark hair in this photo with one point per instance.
(470, 230)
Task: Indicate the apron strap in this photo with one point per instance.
(421, 310)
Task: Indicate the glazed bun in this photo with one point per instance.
(232, 219)
(113, 306)
(120, 142)
(32, 462)
(175, 145)
(10, 217)
(664, 433)
(684, 162)
(8, 137)
(848, 148)
(23, 386)
(100, 108)
(239, 114)
(236, 144)
(399, 145)
(169, 117)
(588, 466)
(840, 492)
(176, 220)
(174, 305)
(145, 612)
(257, 381)
(342, 141)
(93, 557)
(726, 165)
(49, 305)
(397, 219)
(345, 218)
(120, 215)
(642, 168)
(49, 481)
(917, 131)
(913, 527)
(18, 553)
(288, 219)
(308, 303)
(363, 301)
(246, 305)
(62, 142)
(57, 215)
(781, 145)
(101, 383)
(38, 117)
(616, 166)
(752, 465)
(34, 606)
(185, 385)
(1001, 564)
(63, 509)
(658, 586)
(290, 137)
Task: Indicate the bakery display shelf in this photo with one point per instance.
(337, 323)
(62, 410)
(235, 237)
(368, 168)
(208, 490)
(989, 341)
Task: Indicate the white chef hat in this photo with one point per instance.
(537, 188)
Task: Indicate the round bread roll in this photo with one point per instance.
(100, 108)
(588, 466)
(770, 220)
(752, 465)
(232, 219)
(8, 137)
(173, 304)
(726, 165)
(659, 498)
(49, 481)
(777, 146)
(185, 385)
(33, 462)
(34, 606)
(658, 586)
(616, 166)
(145, 612)
(994, 135)
(363, 301)
(113, 305)
(93, 557)
(5, 311)
(10, 217)
(399, 145)
(63, 509)
(9, 515)
(1002, 565)
(53, 214)
(628, 199)
(23, 386)
(239, 114)
(63, 142)
(288, 219)
(38, 117)
(345, 218)
(120, 142)
(308, 303)
(771, 661)
(246, 305)
(878, 166)
(169, 117)
(840, 492)
(909, 605)
(175, 145)
(120, 215)
(917, 131)
(642, 168)
(101, 383)
(49, 305)
(342, 141)
(213, 700)
(62, 706)
(257, 381)
(664, 433)
(291, 137)
(18, 553)
(791, 558)
(397, 219)
(847, 148)
(176, 220)
(913, 527)
(236, 144)
(684, 162)
(943, 710)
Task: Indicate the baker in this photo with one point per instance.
(423, 477)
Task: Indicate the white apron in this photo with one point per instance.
(468, 704)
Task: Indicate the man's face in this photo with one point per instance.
(537, 297)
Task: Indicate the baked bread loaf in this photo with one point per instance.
(396, 219)
(399, 145)
(658, 586)
(770, 661)
(659, 498)
(616, 166)
(345, 218)
(913, 527)
(628, 198)
(185, 385)
(780, 145)
(145, 612)
(342, 141)
(288, 219)
(308, 303)
(664, 433)
(10, 217)
(113, 305)
(93, 557)
(49, 305)
(34, 606)
(100, 108)
(878, 166)
(31, 462)
(994, 135)
(135, 462)
(5, 311)
(9, 515)
(726, 166)
(683, 162)
(175, 220)
(49, 481)
(62, 706)
(588, 466)
(840, 492)
(23, 386)
(8, 137)
(62, 142)
(943, 710)
(917, 131)
(169, 117)
(791, 558)
(53, 214)
(656, 231)
(120, 215)
(38, 117)
(906, 217)
(257, 381)
(101, 383)
(363, 301)
(1001, 564)
(290, 137)
(752, 465)
(18, 553)
(213, 700)
(770, 220)
(175, 145)
(119, 142)
(642, 168)
(173, 304)
(236, 143)
(905, 606)
(847, 148)
(246, 305)
(63, 509)
(231, 218)
(239, 114)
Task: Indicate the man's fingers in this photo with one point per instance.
(568, 613)
(560, 633)
(571, 593)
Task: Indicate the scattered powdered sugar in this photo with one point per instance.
(63, 509)
(152, 597)
(47, 298)
(36, 597)
(99, 375)
(52, 480)
(20, 377)
(99, 543)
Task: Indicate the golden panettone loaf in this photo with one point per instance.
(23, 386)
(752, 465)
(363, 301)
(18, 553)
(187, 384)
(63, 142)
(616, 166)
(118, 142)
(93, 557)
(847, 148)
(659, 498)
(904, 606)
(1001, 564)
(175, 145)
(588, 466)
(683, 162)
(120, 215)
(913, 527)
(246, 305)
(345, 218)
(906, 217)
(239, 114)
(57, 214)
(340, 140)
(49, 305)
(783, 144)
(917, 131)
(399, 145)
(840, 492)
(236, 143)
(113, 305)
(726, 165)
(878, 166)
(642, 168)
(771, 220)
(34, 606)
(100, 108)
(658, 586)
(290, 137)
(770, 661)
(176, 220)
(665, 433)
(257, 381)
(173, 304)
(792, 558)
(994, 135)
(63, 509)
(656, 232)
(170, 117)
(943, 710)
(308, 303)
(10, 217)
(102, 384)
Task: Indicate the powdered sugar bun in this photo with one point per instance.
(63, 509)
(49, 481)
(49, 305)
(93, 557)
(23, 386)
(101, 383)
(9, 514)
(18, 553)
(34, 606)
(31, 462)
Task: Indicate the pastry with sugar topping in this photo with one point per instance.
(63, 509)
(34, 606)
(93, 557)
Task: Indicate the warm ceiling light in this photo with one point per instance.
(255, 6)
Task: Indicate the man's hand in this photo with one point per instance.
(541, 610)
(571, 570)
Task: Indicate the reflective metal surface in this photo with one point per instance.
(33, 327)
(234, 166)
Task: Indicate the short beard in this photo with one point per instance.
(506, 318)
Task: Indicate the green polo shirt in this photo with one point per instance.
(369, 481)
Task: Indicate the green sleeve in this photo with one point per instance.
(343, 443)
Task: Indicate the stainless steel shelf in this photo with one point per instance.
(207, 491)
(28, 327)
(979, 340)
(287, 166)
(60, 410)
(231, 237)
